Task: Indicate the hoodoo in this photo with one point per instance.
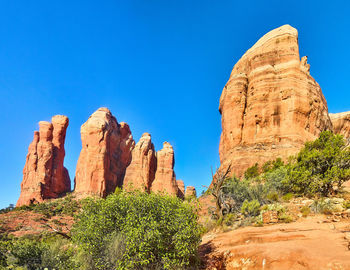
(270, 105)
(44, 176)
(165, 179)
(105, 154)
(142, 169)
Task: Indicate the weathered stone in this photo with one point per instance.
(105, 154)
(271, 105)
(44, 176)
(341, 123)
(181, 189)
(190, 192)
(270, 217)
(141, 171)
(165, 179)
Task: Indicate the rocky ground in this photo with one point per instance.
(20, 223)
(315, 242)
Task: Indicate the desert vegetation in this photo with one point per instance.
(127, 230)
(317, 172)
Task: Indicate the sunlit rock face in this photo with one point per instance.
(341, 123)
(142, 169)
(165, 179)
(44, 176)
(105, 155)
(270, 105)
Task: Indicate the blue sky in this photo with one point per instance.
(158, 65)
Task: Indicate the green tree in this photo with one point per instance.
(320, 166)
(137, 231)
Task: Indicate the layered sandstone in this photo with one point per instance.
(165, 179)
(44, 176)
(141, 171)
(270, 105)
(341, 123)
(105, 155)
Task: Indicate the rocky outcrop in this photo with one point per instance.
(180, 189)
(341, 123)
(105, 155)
(141, 171)
(165, 179)
(270, 105)
(44, 176)
(190, 192)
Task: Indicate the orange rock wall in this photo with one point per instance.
(270, 105)
(44, 176)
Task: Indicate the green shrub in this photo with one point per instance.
(320, 166)
(305, 211)
(284, 217)
(287, 197)
(250, 208)
(240, 190)
(252, 172)
(272, 196)
(27, 253)
(58, 253)
(322, 206)
(346, 204)
(138, 231)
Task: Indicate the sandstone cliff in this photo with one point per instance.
(270, 105)
(341, 123)
(109, 158)
(44, 176)
(105, 154)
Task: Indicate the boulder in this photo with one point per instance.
(44, 176)
(270, 105)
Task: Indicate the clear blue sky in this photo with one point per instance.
(158, 65)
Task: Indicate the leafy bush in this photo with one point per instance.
(287, 197)
(250, 208)
(137, 231)
(241, 190)
(27, 253)
(320, 166)
(252, 172)
(305, 211)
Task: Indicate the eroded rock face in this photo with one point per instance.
(190, 192)
(141, 171)
(165, 179)
(341, 123)
(105, 154)
(181, 189)
(271, 105)
(44, 176)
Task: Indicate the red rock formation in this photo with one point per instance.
(341, 123)
(181, 189)
(105, 154)
(141, 171)
(165, 179)
(190, 192)
(44, 175)
(271, 105)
